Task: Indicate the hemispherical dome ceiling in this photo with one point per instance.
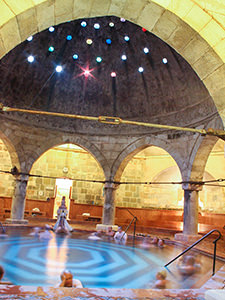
(108, 67)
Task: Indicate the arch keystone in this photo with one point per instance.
(45, 15)
(10, 34)
(27, 23)
(207, 64)
(133, 9)
(196, 47)
(166, 25)
(181, 36)
(81, 9)
(2, 48)
(63, 11)
(150, 15)
(215, 81)
(99, 8)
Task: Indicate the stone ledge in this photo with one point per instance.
(16, 221)
(215, 295)
(99, 293)
(105, 227)
(186, 237)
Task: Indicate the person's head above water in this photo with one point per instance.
(120, 229)
(67, 277)
(2, 271)
(161, 274)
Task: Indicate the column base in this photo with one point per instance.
(190, 238)
(104, 227)
(16, 221)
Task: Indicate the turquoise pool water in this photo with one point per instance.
(30, 261)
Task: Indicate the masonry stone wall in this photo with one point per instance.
(6, 180)
(33, 145)
(213, 195)
(73, 164)
(150, 168)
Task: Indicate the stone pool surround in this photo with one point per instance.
(100, 293)
(216, 282)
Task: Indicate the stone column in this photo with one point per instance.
(190, 218)
(18, 200)
(109, 204)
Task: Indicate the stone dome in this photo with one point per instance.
(168, 93)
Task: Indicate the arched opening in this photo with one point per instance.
(9, 159)
(72, 164)
(212, 195)
(63, 188)
(6, 180)
(150, 201)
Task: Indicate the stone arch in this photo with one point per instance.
(190, 37)
(150, 165)
(199, 158)
(82, 142)
(163, 173)
(12, 151)
(211, 197)
(132, 149)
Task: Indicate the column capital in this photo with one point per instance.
(192, 187)
(111, 185)
(21, 178)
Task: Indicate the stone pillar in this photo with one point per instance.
(108, 208)
(190, 218)
(109, 204)
(18, 200)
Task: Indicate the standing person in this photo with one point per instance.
(68, 281)
(62, 207)
(120, 236)
(61, 225)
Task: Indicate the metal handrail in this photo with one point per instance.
(3, 229)
(198, 241)
(133, 220)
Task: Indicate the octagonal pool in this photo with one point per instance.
(30, 261)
